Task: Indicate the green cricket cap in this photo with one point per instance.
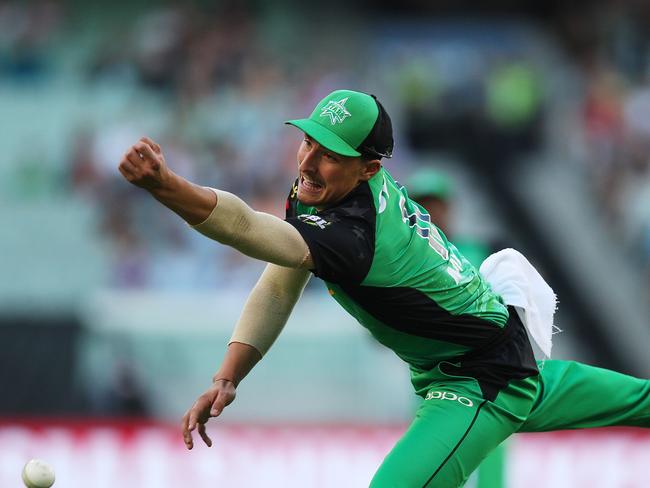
(350, 123)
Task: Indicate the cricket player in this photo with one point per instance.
(349, 223)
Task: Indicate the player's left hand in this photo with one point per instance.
(210, 404)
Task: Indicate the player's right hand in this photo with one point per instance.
(210, 404)
(144, 165)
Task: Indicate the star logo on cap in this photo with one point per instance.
(336, 111)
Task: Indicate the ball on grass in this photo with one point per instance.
(38, 474)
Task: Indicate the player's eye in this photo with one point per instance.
(306, 141)
(331, 157)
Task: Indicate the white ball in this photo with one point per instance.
(38, 474)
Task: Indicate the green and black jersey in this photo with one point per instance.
(389, 266)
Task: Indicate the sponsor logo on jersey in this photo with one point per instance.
(445, 395)
(336, 111)
(314, 220)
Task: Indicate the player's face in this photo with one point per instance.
(326, 177)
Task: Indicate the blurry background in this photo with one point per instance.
(524, 126)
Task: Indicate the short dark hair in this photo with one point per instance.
(379, 142)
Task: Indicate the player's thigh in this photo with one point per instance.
(573, 395)
(452, 432)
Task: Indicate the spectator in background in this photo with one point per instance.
(603, 129)
(513, 113)
(434, 191)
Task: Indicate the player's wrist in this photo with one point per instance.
(217, 379)
(168, 185)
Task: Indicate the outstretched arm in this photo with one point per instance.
(224, 217)
(266, 311)
(144, 166)
(217, 214)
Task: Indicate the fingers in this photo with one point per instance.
(141, 166)
(128, 165)
(141, 151)
(147, 153)
(152, 144)
(134, 157)
(187, 435)
(204, 435)
(142, 163)
(210, 404)
(193, 418)
(126, 171)
(198, 412)
(188, 424)
(218, 405)
(132, 160)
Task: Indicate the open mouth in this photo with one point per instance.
(309, 185)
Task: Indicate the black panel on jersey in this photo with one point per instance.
(341, 240)
(497, 355)
(509, 358)
(413, 312)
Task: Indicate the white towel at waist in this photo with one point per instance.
(520, 285)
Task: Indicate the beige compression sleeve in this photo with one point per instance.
(269, 305)
(256, 234)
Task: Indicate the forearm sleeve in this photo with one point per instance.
(256, 234)
(268, 306)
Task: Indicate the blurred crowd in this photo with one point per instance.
(227, 93)
(612, 139)
(617, 146)
(213, 84)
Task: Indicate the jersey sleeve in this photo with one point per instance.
(340, 240)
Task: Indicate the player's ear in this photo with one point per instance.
(369, 168)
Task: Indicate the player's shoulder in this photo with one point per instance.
(357, 205)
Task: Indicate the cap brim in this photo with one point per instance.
(324, 137)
